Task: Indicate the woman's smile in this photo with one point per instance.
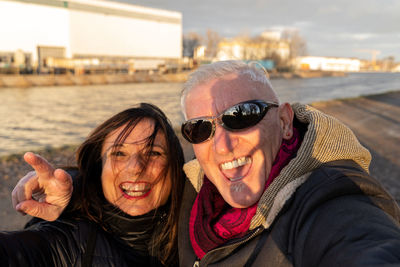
(135, 190)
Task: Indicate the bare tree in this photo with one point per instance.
(212, 40)
(191, 40)
(298, 46)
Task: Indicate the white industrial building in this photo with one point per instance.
(328, 64)
(34, 30)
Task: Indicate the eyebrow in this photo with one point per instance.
(135, 143)
(116, 145)
(160, 146)
(113, 146)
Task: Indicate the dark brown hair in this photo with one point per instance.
(89, 159)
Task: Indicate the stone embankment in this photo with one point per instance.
(306, 74)
(23, 81)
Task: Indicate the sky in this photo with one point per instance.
(335, 28)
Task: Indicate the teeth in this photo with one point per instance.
(133, 188)
(134, 194)
(235, 163)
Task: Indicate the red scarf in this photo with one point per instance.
(213, 221)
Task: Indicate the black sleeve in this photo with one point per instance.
(345, 218)
(43, 244)
(349, 231)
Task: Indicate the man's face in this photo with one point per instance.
(237, 163)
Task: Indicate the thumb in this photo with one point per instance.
(63, 178)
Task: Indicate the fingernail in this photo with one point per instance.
(19, 209)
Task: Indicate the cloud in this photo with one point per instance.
(330, 27)
(357, 36)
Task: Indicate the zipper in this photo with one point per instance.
(203, 260)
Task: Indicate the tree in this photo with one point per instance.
(297, 45)
(212, 41)
(190, 41)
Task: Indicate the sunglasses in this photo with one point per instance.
(236, 118)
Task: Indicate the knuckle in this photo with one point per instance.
(35, 212)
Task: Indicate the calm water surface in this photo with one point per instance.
(37, 117)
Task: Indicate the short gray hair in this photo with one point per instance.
(206, 73)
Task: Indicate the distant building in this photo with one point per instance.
(396, 68)
(33, 31)
(199, 52)
(253, 49)
(271, 35)
(328, 64)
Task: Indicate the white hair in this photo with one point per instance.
(206, 73)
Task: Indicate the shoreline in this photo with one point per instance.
(32, 80)
(375, 120)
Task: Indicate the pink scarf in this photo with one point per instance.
(213, 221)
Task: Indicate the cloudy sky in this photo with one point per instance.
(339, 28)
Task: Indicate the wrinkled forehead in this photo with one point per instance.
(215, 96)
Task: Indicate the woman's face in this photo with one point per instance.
(128, 184)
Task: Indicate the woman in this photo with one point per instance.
(125, 204)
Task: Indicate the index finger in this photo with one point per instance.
(40, 165)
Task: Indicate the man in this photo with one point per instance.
(274, 184)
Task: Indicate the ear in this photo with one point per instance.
(286, 115)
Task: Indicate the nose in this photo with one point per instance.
(224, 141)
(135, 163)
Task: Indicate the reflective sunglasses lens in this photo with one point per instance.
(242, 116)
(197, 131)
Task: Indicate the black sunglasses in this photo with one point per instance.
(236, 118)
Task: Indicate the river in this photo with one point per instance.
(38, 117)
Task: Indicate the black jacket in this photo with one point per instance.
(67, 243)
(340, 216)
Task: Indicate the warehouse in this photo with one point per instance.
(44, 33)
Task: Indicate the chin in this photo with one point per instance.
(241, 201)
(136, 212)
(238, 206)
(241, 204)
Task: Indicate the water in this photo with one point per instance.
(38, 117)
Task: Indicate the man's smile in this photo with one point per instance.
(236, 169)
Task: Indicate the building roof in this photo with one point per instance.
(112, 8)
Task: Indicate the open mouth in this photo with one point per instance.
(135, 189)
(236, 169)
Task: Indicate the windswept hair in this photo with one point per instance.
(89, 188)
(209, 72)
